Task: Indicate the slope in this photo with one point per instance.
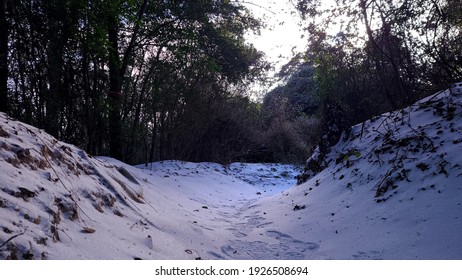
(391, 190)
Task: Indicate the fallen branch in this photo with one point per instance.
(13, 237)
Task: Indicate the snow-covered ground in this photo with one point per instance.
(393, 190)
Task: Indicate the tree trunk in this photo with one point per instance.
(117, 70)
(55, 67)
(379, 56)
(4, 32)
(115, 90)
(153, 139)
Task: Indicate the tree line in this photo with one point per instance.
(364, 57)
(146, 80)
(137, 80)
(373, 56)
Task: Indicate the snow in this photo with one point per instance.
(391, 190)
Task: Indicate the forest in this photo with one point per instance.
(145, 80)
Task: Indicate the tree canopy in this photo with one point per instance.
(378, 55)
(373, 56)
(126, 78)
(145, 80)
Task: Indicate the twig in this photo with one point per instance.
(256, 5)
(13, 237)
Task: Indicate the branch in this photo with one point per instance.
(13, 237)
(131, 45)
(256, 5)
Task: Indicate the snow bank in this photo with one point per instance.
(394, 193)
(56, 202)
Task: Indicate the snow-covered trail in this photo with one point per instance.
(230, 208)
(256, 238)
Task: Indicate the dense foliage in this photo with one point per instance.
(377, 55)
(145, 80)
(139, 80)
(290, 118)
(372, 56)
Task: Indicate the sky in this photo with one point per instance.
(283, 36)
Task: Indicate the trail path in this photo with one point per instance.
(255, 237)
(246, 232)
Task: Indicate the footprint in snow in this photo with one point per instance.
(285, 247)
(149, 242)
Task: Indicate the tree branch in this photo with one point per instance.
(131, 45)
(13, 237)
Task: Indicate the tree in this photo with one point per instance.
(290, 115)
(57, 14)
(118, 68)
(375, 56)
(4, 34)
(200, 60)
(412, 37)
(122, 77)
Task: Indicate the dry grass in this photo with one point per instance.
(137, 197)
(88, 230)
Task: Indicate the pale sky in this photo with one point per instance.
(283, 34)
